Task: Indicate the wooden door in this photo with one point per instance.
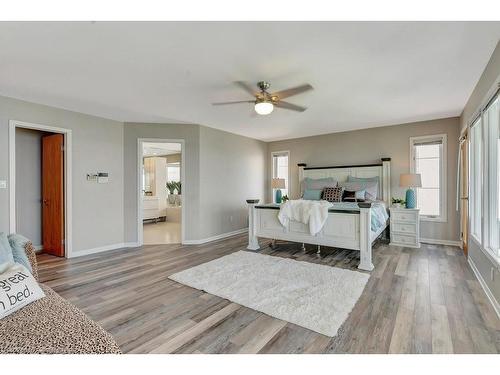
(53, 194)
(464, 193)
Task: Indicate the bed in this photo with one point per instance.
(350, 225)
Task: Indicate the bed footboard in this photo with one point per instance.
(348, 230)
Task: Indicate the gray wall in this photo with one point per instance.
(191, 188)
(29, 184)
(222, 170)
(487, 79)
(233, 169)
(97, 146)
(106, 214)
(480, 258)
(369, 145)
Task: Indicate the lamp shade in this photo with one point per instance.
(410, 180)
(278, 183)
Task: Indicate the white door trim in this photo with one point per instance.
(140, 141)
(68, 190)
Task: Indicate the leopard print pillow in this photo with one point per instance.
(333, 194)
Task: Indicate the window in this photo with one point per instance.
(476, 179)
(280, 168)
(485, 178)
(428, 158)
(173, 172)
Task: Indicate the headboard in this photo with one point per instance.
(341, 172)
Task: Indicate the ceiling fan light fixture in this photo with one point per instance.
(264, 108)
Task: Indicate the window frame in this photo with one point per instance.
(273, 168)
(483, 244)
(443, 197)
(489, 186)
(476, 237)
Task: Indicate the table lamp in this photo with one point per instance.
(410, 180)
(278, 184)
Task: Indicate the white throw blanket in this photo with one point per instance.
(309, 212)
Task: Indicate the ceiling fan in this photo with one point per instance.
(265, 101)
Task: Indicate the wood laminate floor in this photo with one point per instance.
(423, 300)
(162, 232)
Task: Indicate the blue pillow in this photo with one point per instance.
(17, 243)
(5, 250)
(370, 184)
(312, 195)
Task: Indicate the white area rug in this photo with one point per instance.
(310, 295)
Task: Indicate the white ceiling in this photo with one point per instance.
(160, 148)
(365, 74)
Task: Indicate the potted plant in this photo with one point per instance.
(397, 202)
(171, 186)
(178, 186)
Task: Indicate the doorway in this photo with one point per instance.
(464, 190)
(39, 186)
(161, 184)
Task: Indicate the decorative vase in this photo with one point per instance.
(278, 196)
(178, 200)
(171, 199)
(410, 198)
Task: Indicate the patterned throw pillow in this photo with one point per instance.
(357, 187)
(18, 288)
(353, 196)
(333, 194)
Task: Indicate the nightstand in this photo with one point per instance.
(405, 227)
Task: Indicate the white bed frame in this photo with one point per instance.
(343, 229)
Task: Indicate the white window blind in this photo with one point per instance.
(173, 172)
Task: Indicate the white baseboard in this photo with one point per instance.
(435, 241)
(487, 291)
(102, 249)
(215, 238)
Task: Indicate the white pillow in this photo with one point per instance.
(18, 288)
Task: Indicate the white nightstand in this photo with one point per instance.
(405, 227)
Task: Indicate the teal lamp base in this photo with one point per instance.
(278, 196)
(410, 198)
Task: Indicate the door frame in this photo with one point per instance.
(464, 178)
(140, 229)
(68, 209)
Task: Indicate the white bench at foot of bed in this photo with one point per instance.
(343, 229)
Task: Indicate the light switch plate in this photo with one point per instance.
(3, 184)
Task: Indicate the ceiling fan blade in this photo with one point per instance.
(236, 102)
(247, 87)
(292, 91)
(293, 107)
